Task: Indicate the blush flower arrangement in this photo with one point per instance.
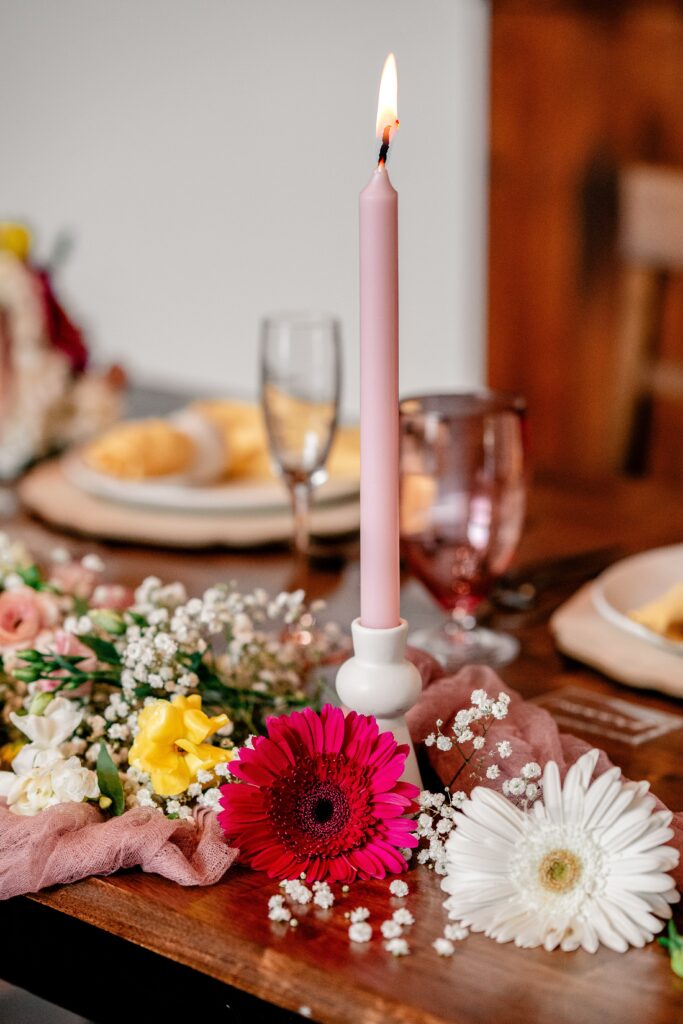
(138, 697)
(320, 798)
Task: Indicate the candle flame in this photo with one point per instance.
(387, 106)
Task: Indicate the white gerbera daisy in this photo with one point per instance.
(586, 865)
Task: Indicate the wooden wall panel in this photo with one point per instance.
(578, 89)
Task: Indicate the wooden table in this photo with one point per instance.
(136, 948)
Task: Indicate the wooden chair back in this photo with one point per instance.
(651, 251)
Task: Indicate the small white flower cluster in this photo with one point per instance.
(152, 656)
(471, 724)
(13, 556)
(468, 735)
(453, 932)
(359, 929)
(524, 788)
(434, 824)
(392, 929)
(399, 888)
(298, 893)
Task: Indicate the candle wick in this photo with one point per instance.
(384, 148)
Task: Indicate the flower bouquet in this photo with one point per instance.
(48, 396)
(139, 698)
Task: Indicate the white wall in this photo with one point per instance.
(207, 156)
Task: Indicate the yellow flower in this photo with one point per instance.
(170, 745)
(9, 751)
(15, 238)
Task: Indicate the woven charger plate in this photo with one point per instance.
(46, 492)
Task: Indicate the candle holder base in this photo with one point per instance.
(379, 681)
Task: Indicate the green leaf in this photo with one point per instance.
(31, 576)
(30, 655)
(103, 649)
(109, 780)
(674, 945)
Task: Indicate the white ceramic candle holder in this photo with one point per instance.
(379, 681)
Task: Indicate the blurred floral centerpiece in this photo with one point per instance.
(139, 698)
(48, 396)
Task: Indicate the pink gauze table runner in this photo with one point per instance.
(72, 841)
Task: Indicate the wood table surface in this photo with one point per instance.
(136, 947)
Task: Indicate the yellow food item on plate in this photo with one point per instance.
(156, 448)
(246, 441)
(140, 450)
(344, 460)
(243, 431)
(663, 616)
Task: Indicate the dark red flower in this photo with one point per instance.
(62, 332)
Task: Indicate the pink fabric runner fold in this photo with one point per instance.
(72, 841)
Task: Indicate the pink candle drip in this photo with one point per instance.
(379, 532)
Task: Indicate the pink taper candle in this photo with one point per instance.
(379, 530)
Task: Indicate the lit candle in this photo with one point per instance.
(379, 536)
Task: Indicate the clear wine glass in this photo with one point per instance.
(463, 497)
(300, 388)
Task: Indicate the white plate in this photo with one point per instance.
(636, 581)
(174, 494)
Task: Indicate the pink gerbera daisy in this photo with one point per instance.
(321, 797)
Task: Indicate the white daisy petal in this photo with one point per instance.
(650, 840)
(635, 907)
(606, 933)
(635, 825)
(588, 864)
(589, 941)
(600, 795)
(489, 807)
(621, 801)
(660, 904)
(552, 791)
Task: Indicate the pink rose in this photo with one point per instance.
(73, 578)
(69, 645)
(24, 613)
(113, 596)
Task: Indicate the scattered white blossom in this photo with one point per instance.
(444, 947)
(322, 895)
(360, 931)
(398, 888)
(280, 913)
(297, 892)
(93, 563)
(391, 929)
(403, 916)
(359, 914)
(397, 947)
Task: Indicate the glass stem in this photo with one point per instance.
(463, 617)
(301, 509)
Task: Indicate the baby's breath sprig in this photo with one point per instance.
(468, 734)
